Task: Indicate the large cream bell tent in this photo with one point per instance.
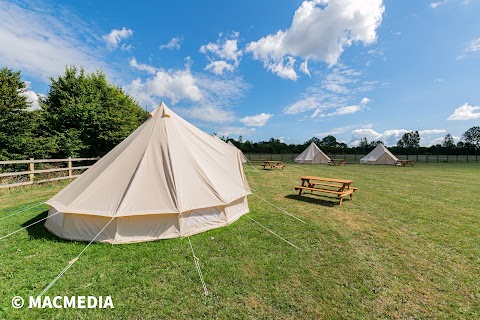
(242, 156)
(379, 155)
(167, 179)
(312, 155)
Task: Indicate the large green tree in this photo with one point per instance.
(87, 115)
(15, 119)
(472, 136)
(409, 140)
(448, 141)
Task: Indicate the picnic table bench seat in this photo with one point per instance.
(337, 162)
(340, 188)
(273, 164)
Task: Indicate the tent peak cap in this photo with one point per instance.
(162, 109)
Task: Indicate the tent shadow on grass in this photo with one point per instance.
(319, 199)
(38, 231)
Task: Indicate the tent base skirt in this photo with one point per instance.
(141, 228)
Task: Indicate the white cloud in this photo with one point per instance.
(339, 130)
(303, 105)
(173, 44)
(343, 110)
(125, 47)
(390, 137)
(33, 97)
(142, 67)
(175, 85)
(258, 120)
(437, 4)
(365, 101)
(239, 131)
(320, 31)
(223, 55)
(115, 36)
(466, 112)
(219, 66)
(433, 131)
(202, 98)
(208, 114)
(284, 69)
(472, 47)
(340, 80)
(332, 91)
(304, 68)
(57, 41)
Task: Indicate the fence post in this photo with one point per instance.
(437, 158)
(31, 168)
(457, 158)
(69, 166)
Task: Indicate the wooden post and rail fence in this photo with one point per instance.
(32, 172)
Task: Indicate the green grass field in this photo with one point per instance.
(407, 246)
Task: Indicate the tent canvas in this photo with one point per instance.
(167, 179)
(242, 156)
(379, 155)
(312, 155)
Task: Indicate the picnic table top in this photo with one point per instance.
(404, 161)
(272, 161)
(338, 160)
(327, 179)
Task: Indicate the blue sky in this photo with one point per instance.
(284, 69)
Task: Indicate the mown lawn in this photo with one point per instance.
(407, 246)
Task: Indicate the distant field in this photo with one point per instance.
(407, 246)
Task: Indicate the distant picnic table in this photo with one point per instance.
(273, 165)
(337, 162)
(404, 163)
(338, 187)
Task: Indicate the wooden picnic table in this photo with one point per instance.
(337, 162)
(338, 187)
(404, 163)
(273, 164)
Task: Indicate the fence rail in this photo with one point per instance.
(355, 158)
(31, 170)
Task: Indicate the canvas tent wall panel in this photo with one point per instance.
(166, 171)
(129, 229)
(242, 156)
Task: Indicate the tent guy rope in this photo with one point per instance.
(31, 224)
(197, 265)
(272, 232)
(71, 262)
(288, 213)
(22, 210)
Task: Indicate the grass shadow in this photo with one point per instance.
(318, 200)
(38, 230)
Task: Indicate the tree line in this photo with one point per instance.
(409, 144)
(82, 115)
